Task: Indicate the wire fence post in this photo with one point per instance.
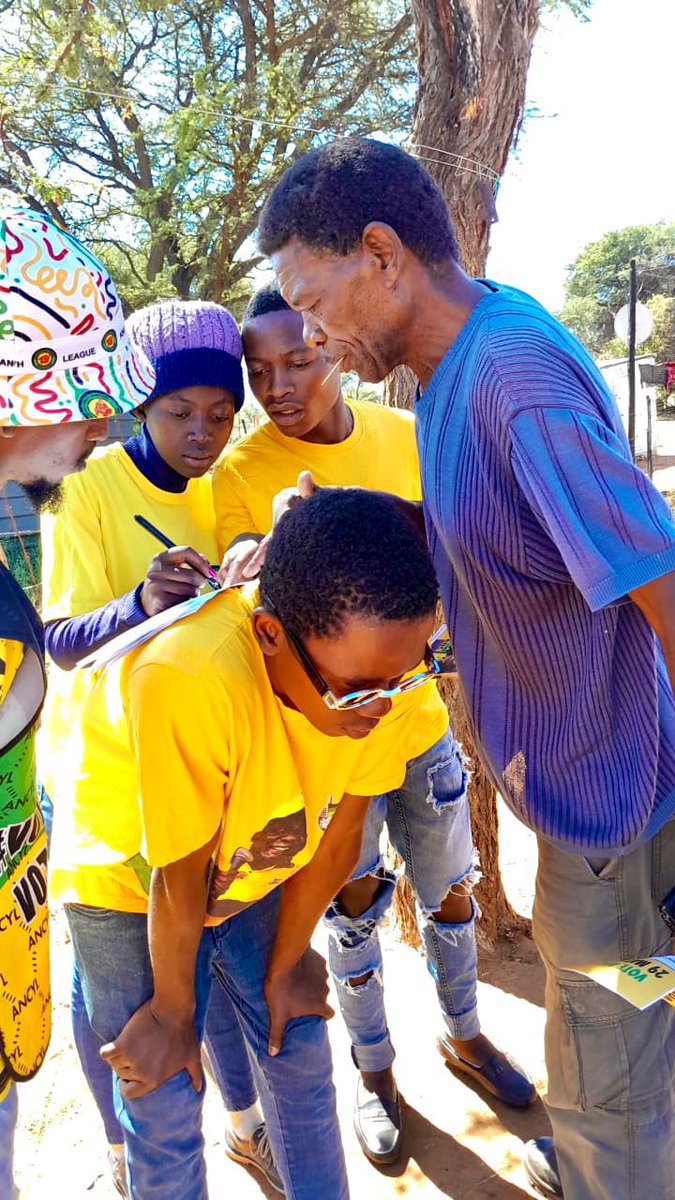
(632, 301)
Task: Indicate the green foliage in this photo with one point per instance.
(578, 8)
(23, 556)
(598, 282)
(592, 322)
(662, 341)
(247, 419)
(155, 133)
(354, 389)
(602, 268)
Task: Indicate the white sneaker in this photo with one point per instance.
(254, 1152)
(118, 1170)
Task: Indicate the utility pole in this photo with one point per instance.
(632, 301)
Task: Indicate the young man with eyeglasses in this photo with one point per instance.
(240, 785)
(360, 443)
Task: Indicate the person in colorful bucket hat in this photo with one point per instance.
(66, 365)
(65, 355)
(102, 574)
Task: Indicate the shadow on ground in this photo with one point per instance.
(431, 1154)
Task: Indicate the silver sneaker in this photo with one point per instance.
(118, 1171)
(254, 1152)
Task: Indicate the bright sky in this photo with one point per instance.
(601, 155)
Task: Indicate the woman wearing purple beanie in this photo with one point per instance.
(102, 574)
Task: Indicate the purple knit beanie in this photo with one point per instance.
(190, 343)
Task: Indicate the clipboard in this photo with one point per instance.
(125, 642)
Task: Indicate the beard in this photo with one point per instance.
(43, 495)
(47, 496)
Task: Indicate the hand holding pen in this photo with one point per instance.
(174, 574)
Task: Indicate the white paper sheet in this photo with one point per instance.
(124, 642)
(641, 981)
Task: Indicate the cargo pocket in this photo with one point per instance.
(601, 1052)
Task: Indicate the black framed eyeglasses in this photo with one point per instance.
(438, 657)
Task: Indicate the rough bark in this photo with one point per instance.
(473, 57)
(499, 918)
(473, 60)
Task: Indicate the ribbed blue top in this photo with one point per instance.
(539, 524)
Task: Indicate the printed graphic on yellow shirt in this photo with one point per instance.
(25, 1022)
(326, 815)
(272, 850)
(185, 736)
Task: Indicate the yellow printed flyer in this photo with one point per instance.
(641, 981)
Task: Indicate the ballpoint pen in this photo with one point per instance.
(211, 578)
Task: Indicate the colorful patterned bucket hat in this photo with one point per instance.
(64, 352)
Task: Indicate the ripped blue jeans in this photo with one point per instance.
(429, 825)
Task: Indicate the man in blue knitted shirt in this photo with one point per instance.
(556, 560)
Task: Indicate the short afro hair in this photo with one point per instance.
(347, 552)
(267, 299)
(328, 196)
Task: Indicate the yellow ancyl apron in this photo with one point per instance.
(25, 1001)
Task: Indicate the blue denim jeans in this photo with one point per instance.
(295, 1087)
(430, 826)
(97, 1073)
(223, 1038)
(8, 1119)
(226, 1046)
(162, 1131)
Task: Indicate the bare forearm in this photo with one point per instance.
(669, 655)
(178, 896)
(304, 900)
(306, 896)
(159, 1039)
(657, 602)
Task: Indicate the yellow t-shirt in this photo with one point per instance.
(185, 736)
(93, 551)
(11, 657)
(11, 654)
(380, 453)
(25, 1004)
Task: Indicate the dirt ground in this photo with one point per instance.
(457, 1144)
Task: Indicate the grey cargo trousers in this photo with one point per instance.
(611, 1068)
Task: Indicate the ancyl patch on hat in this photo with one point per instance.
(64, 351)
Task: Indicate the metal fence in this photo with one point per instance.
(18, 518)
(20, 524)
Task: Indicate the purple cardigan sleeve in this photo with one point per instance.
(69, 640)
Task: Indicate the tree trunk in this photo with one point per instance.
(473, 61)
(499, 919)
